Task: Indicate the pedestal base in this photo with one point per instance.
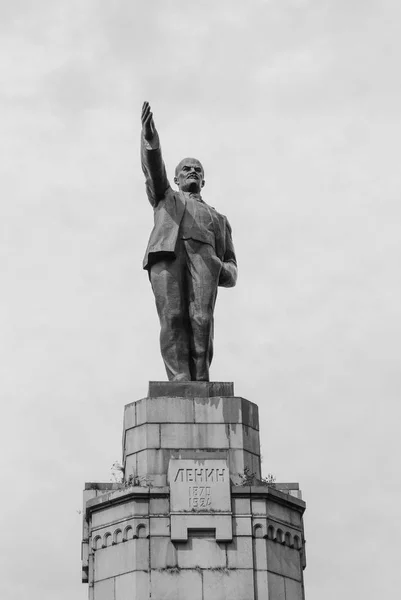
(181, 527)
(129, 555)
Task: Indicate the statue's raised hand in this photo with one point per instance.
(148, 124)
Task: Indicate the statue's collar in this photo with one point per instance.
(197, 197)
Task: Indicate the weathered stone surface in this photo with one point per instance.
(151, 461)
(287, 487)
(226, 410)
(218, 410)
(104, 590)
(276, 586)
(261, 586)
(159, 506)
(141, 437)
(114, 533)
(233, 410)
(188, 435)
(244, 437)
(204, 553)
(232, 585)
(132, 555)
(250, 413)
(259, 506)
(156, 461)
(242, 526)
(163, 553)
(153, 410)
(283, 560)
(115, 495)
(118, 512)
(159, 526)
(129, 415)
(241, 506)
(176, 585)
(295, 493)
(239, 553)
(260, 554)
(96, 488)
(284, 513)
(190, 389)
(132, 586)
(242, 460)
(293, 590)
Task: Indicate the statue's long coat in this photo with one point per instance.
(169, 208)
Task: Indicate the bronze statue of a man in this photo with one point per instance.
(190, 252)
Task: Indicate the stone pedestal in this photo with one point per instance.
(189, 420)
(186, 524)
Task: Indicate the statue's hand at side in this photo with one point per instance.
(148, 124)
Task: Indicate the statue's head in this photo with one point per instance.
(189, 175)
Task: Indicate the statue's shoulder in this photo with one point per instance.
(219, 214)
(213, 209)
(221, 220)
(167, 197)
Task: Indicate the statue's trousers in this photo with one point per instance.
(185, 290)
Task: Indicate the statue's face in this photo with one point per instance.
(189, 175)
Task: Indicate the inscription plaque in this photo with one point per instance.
(199, 485)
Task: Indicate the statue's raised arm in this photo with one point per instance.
(151, 156)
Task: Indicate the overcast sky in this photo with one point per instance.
(293, 107)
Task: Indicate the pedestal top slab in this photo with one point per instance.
(190, 389)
